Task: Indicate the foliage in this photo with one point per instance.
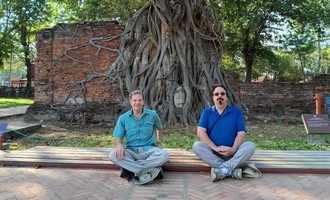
(6, 27)
(325, 67)
(23, 17)
(28, 13)
(257, 33)
(248, 24)
(93, 10)
(253, 27)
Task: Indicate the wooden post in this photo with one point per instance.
(1, 140)
(318, 104)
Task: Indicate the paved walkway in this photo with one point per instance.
(73, 184)
(14, 117)
(13, 111)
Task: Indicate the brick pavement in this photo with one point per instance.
(76, 184)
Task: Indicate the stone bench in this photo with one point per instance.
(180, 160)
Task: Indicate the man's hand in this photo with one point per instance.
(120, 151)
(225, 150)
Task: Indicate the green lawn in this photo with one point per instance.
(271, 136)
(11, 102)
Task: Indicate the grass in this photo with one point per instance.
(12, 102)
(282, 137)
(271, 136)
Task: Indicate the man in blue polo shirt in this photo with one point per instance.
(221, 131)
(140, 157)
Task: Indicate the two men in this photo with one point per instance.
(141, 159)
(221, 131)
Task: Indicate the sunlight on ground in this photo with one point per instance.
(11, 102)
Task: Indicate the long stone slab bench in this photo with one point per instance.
(180, 160)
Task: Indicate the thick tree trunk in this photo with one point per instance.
(249, 55)
(302, 66)
(250, 46)
(27, 60)
(248, 71)
(171, 50)
(319, 37)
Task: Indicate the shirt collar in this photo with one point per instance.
(228, 109)
(144, 112)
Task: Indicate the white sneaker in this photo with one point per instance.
(147, 175)
(237, 173)
(219, 173)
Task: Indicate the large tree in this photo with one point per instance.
(248, 24)
(6, 31)
(314, 14)
(300, 42)
(251, 25)
(172, 47)
(27, 14)
(171, 50)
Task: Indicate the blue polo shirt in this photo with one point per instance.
(138, 132)
(225, 126)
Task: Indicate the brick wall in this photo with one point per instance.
(65, 56)
(280, 99)
(277, 98)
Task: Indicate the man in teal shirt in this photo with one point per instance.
(140, 157)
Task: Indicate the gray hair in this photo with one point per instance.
(135, 92)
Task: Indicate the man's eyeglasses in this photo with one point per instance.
(221, 93)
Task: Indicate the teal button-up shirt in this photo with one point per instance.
(138, 132)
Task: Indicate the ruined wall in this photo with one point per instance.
(281, 99)
(277, 98)
(67, 54)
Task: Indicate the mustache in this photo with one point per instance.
(220, 100)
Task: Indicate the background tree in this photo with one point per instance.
(93, 10)
(251, 26)
(6, 35)
(326, 61)
(315, 15)
(27, 14)
(301, 42)
(248, 25)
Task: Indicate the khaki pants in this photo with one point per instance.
(140, 160)
(243, 154)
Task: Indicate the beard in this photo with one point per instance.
(220, 100)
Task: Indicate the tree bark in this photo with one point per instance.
(26, 49)
(249, 53)
(249, 59)
(171, 44)
(170, 49)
